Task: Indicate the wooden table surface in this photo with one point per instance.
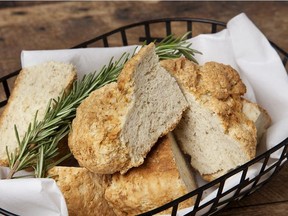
(46, 25)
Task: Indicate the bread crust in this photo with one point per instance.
(101, 139)
(83, 191)
(95, 130)
(215, 85)
(24, 87)
(218, 88)
(125, 80)
(154, 183)
(258, 115)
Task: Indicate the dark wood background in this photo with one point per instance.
(55, 25)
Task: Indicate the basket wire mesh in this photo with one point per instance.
(149, 31)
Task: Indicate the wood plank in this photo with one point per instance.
(275, 191)
(10, 4)
(271, 192)
(279, 209)
(62, 25)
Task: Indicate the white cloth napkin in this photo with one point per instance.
(240, 45)
(245, 48)
(263, 68)
(31, 196)
(86, 60)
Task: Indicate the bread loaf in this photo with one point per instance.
(215, 131)
(163, 177)
(117, 125)
(33, 89)
(83, 191)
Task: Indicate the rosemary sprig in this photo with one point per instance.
(174, 47)
(39, 145)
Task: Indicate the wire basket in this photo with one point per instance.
(155, 30)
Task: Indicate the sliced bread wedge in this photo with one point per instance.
(217, 130)
(117, 125)
(33, 89)
(164, 176)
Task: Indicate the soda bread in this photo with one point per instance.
(117, 125)
(217, 130)
(163, 177)
(33, 89)
(258, 115)
(83, 191)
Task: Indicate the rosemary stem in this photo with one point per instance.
(13, 170)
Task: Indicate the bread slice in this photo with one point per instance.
(83, 191)
(163, 177)
(117, 125)
(214, 130)
(258, 115)
(33, 89)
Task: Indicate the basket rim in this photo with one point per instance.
(152, 21)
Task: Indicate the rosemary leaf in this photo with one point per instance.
(17, 135)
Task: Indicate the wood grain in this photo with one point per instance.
(264, 201)
(62, 25)
(277, 208)
(46, 25)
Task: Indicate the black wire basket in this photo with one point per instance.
(153, 31)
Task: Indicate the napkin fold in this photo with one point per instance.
(263, 67)
(240, 45)
(86, 60)
(31, 196)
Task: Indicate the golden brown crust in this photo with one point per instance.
(95, 130)
(125, 80)
(186, 72)
(219, 88)
(216, 85)
(213, 176)
(258, 115)
(214, 79)
(21, 75)
(148, 186)
(83, 191)
(94, 140)
(220, 81)
(109, 133)
(4, 163)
